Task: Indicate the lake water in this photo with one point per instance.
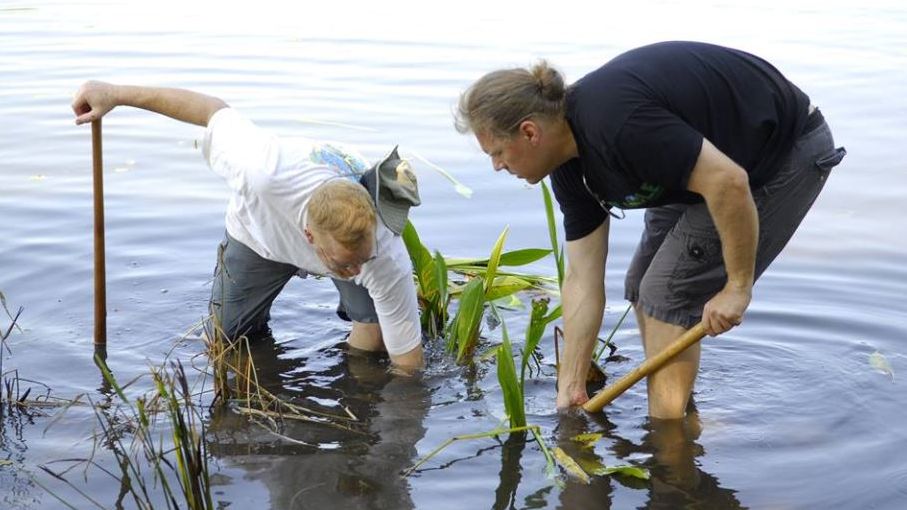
(791, 413)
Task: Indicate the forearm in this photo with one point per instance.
(180, 104)
(737, 221)
(584, 306)
(95, 98)
(725, 187)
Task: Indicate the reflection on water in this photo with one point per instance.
(668, 448)
(312, 466)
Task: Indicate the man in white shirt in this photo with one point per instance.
(298, 207)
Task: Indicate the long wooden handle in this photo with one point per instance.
(605, 396)
(100, 286)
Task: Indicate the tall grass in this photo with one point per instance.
(173, 450)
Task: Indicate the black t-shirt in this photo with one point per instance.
(639, 121)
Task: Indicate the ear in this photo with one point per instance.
(308, 236)
(531, 131)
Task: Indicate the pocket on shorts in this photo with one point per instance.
(831, 159)
(697, 270)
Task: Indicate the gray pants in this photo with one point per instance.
(678, 265)
(246, 284)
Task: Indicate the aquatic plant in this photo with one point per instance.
(131, 431)
(485, 287)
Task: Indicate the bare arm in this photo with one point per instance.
(94, 99)
(724, 186)
(583, 298)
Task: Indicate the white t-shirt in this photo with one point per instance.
(272, 180)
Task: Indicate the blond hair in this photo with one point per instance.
(499, 101)
(344, 210)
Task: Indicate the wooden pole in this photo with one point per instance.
(605, 396)
(100, 286)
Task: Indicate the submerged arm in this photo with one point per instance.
(583, 298)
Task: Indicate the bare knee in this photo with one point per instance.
(366, 336)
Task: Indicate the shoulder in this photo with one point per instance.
(392, 265)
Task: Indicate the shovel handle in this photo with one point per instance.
(605, 396)
(100, 287)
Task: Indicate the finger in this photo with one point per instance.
(85, 118)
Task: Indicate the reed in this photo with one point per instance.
(157, 460)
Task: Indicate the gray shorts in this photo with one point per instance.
(678, 265)
(246, 284)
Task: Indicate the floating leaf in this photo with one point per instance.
(879, 362)
(587, 440)
(596, 468)
(572, 468)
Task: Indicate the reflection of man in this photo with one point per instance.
(676, 478)
(338, 469)
(292, 212)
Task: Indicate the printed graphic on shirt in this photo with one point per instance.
(647, 194)
(347, 162)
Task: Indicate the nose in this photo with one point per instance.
(498, 165)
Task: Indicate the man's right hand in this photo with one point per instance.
(92, 101)
(570, 395)
(95, 98)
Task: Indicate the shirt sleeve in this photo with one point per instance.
(582, 213)
(659, 147)
(389, 282)
(239, 151)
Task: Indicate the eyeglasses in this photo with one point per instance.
(339, 268)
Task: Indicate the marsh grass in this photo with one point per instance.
(158, 442)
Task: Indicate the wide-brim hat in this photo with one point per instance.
(392, 184)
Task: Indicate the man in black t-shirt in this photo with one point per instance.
(725, 153)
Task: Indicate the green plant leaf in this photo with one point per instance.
(511, 258)
(464, 329)
(423, 263)
(506, 286)
(494, 260)
(596, 468)
(534, 333)
(587, 440)
(552, 234)
(570, 465)
(510, 386)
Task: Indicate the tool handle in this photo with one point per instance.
(605, 396)
(100, 287)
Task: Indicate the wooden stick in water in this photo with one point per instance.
(605, 396)
(100, 286)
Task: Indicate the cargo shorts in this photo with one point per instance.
(678, 265)
(246, 284)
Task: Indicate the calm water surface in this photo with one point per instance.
(789, 411)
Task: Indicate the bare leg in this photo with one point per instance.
(670, 387)
(366, 336)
